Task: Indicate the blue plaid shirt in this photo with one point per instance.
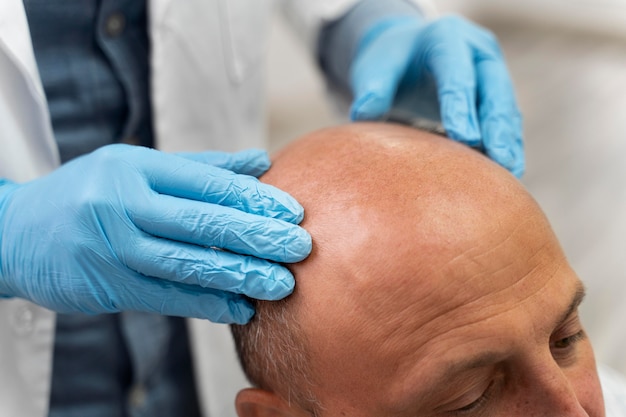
(93, 60)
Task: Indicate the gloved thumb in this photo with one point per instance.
(380, 63)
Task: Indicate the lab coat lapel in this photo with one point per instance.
(27, 142)
(15, 40)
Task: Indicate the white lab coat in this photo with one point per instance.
(207, 80)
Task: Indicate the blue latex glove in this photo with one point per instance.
(407, 63)
(130, 228)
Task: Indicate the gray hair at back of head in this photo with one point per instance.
(273, 352)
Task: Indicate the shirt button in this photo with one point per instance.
(137, 396)
(23, 321)
(115, 24)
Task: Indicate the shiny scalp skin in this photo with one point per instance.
(346, 176)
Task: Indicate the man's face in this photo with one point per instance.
(490, 328)
(436, 286)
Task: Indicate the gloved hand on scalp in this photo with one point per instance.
(129, 228)
(401, 61)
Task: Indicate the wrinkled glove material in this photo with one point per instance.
(405, 64)
(130, 228)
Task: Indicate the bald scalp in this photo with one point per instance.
(373, 195)
(382, 166)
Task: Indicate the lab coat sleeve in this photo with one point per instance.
(27, 146)
(309, 17)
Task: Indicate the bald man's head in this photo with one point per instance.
(434, 278)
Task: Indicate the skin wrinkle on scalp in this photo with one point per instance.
(426, 393)
(443, 316)
(478, 319)
(485, 254)
(502, 290)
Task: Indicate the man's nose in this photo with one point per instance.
(552, 395)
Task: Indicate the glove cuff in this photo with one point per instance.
(6, 188)
(341, 39)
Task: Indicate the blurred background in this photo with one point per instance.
(568, 63)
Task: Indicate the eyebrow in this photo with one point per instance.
(488, 358)
(577, 299)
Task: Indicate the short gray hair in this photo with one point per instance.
(274, 353)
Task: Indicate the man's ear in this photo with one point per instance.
(254, 402)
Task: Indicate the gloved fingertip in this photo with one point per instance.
(369, 106)
(518, 165)
(519, 170)
(460, 120)
(299, 214)
(278, 285)
(300, 246)
(510, 158)
(464, 135)
(503, 156)
(504, 145)
(289, 210)
(238, 311)
(257, 161)
(268, 282)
